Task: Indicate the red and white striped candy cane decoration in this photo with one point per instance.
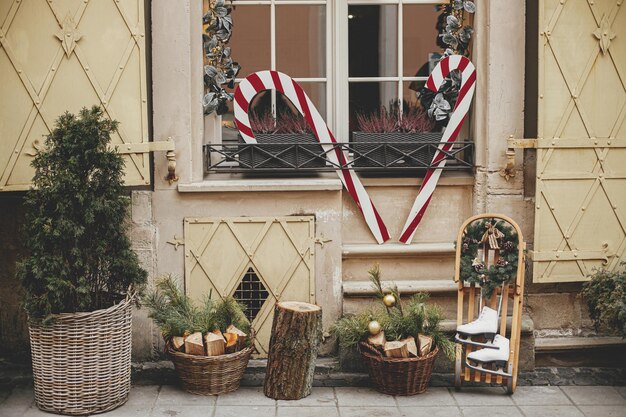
(274, 80)
(466, 92)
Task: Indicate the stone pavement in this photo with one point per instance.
(171, 401)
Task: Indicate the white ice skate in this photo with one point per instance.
(496, 358)
(486, 326)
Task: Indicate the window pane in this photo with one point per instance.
(301, 40)
(411, 91)
(250, 42)
(373, 41)
(367, 98)
(421, 52)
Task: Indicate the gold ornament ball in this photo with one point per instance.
(389, 300)
(374, 327)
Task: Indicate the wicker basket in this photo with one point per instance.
(397, 376)
(211, 375)
(81, 362)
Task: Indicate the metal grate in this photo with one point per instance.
(252, 293)
(292, 156)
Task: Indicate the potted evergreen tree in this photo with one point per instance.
(81, 274)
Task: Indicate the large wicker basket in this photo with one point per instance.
(398, 376)
(81, 362)
(210, 375)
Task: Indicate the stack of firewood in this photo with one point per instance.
(214, 343)
(409, 347)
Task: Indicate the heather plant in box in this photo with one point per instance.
(395, 138)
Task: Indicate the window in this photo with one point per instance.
(350, 56)
(285, 35)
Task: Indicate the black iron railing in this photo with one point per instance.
(301, 157)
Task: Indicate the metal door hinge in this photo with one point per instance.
(167, 146)
(508, 171)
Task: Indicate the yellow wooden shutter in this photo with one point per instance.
(279, 251)
(580, 214)
(58, 55)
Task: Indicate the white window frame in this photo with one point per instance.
(336, 79)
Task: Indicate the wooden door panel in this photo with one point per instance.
(219, 252)
(58, 56)
(581, 176)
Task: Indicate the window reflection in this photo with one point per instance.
(301, 40)
(373, 41)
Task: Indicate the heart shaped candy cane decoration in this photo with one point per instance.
(274, 80)
(466, 92)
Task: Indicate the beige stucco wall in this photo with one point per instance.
(497, 113)
(177, 113)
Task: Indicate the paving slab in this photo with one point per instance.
(320, 397)
(427, 411)
(363, 397)
(603, 410)
(540, 396)
(174, 395)
(244, 410)
(432, 397)
(18, 401)
(491, 411)
(596, 395)
(183, 411)
(551, 411)
(369, 412)
(303, 411)
(481, 396)
(621, 390)
(246, 396)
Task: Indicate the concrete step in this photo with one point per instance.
(396, 250)
(577, 351)
(406, 287)
(544, 344)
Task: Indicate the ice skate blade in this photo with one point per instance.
(479, 368)
(469, 341)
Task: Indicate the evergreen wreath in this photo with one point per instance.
(473, 270)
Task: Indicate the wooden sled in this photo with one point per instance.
(470, 302)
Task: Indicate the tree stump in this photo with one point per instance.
(295, 340)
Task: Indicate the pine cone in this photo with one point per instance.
(465, 247)
(479, 268)
(502, 262)
(508, 246)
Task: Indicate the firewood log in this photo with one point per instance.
(231, 342)
(178, 343)
(378, 340)
(411, 346)
(215, 344)
(194, 345)
(425, 344)
(396, 349)
(295, 341)
(241, 336)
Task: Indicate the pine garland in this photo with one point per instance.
(473, 270)
(402, 320)
(176, 315)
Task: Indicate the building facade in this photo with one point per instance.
(551, 77)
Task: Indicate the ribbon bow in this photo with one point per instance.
(491, 235)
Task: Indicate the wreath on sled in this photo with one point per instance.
(489, 234)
